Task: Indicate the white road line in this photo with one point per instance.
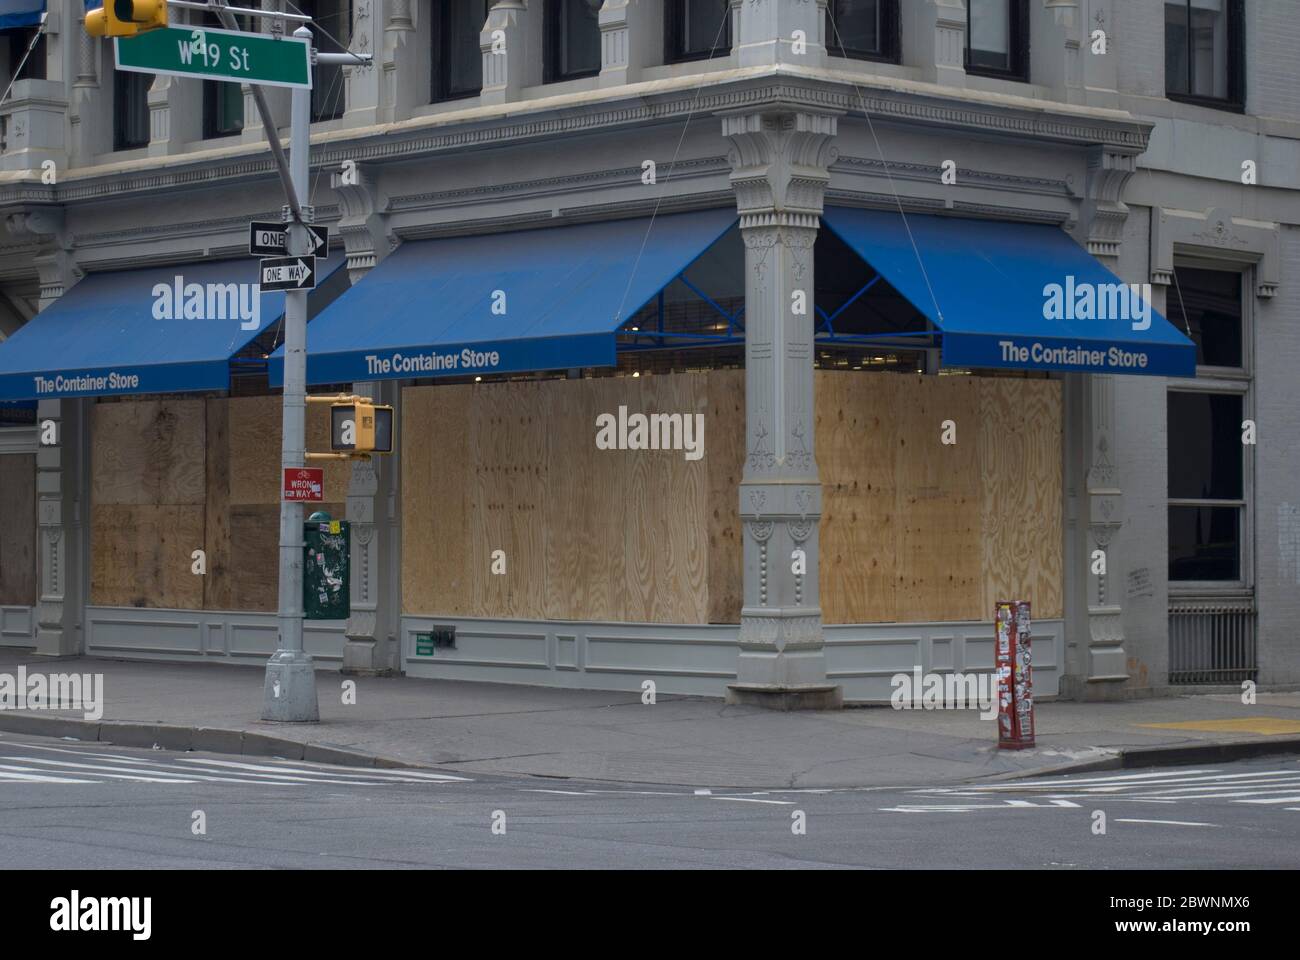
(399, 775)
(1172, 823)
(783, 803)
(114, 776)
(1092, 786)
(704, 793)
(33, 778)
(565, 793)
(1273, 800)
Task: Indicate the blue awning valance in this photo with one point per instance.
(1015, 295)
(157, 330)
(547, 299)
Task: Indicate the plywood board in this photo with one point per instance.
(18, 586)
(217, 590)
(148, 452)
(256, 457)
(856, 423)
(141, 555)
(938, 494)
(508, 453)
(436, 574)
(724, 458)
(576, 498)
(1020, 462)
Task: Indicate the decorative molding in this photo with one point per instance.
(1104, 211)
(570, 116)
(931, 173)
(1215, 234)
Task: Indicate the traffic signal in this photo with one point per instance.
(360, 426)
(126, 18)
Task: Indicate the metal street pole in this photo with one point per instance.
(289, 693)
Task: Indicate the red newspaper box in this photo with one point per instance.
(1012, 663)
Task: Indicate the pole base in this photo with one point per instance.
(798, 696)
(289, 692)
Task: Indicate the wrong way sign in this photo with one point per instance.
(288, 273)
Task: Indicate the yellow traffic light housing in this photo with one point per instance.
(126, 18)
(359, 427)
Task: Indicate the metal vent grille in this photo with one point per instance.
(1212, 640)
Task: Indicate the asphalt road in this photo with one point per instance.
(85, 806)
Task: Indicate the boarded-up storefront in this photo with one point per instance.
(18, 557)
(171, 476)
(913, 529)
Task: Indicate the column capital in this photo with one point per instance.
(780, 163)
(1104, 211)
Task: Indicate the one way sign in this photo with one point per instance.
(288, 273)
(266, 239)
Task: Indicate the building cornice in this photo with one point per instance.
(661, 101)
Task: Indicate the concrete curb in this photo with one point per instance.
(246, 743)
(1183, 754)
(205, 739)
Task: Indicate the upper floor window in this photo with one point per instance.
(131, 109)
(17, 40)
(223, 102)
(457, 59)
(997, 38)
(1210, 489)
(1205, 52)
(331, 33)
(863, 29)
(572, 39)
(697, 29)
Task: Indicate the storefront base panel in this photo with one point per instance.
(700, 660)
(188, 635)
(17, 626)
(864, 657)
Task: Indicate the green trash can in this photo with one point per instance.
(326, 568)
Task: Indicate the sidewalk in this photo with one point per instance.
(475, 728)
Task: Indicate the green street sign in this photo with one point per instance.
(218, 55)
(424, 644)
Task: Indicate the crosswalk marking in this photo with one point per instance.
(1266, 788)
(87, 767)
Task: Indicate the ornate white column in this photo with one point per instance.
(933, 35)
(1106, 662)
(780, 31)
(780, 162)
(507, 48)
(58, 466)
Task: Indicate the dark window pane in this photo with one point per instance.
(1204, 543)
(855, 26)
(990, 34)
(19, 38)
(699, 28)
(1205, 449)
(576, 47)
(334, 16)
(1176, 69)
(459, 50)
(223, 103)
(1209, 29)
(1206, 305)
(131, 109)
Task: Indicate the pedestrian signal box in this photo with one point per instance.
(360, 426)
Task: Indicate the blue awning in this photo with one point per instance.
(27, 13)
(547, 299)
(1015, 295)
(157, 330)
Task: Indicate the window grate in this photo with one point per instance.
(1212, 640)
